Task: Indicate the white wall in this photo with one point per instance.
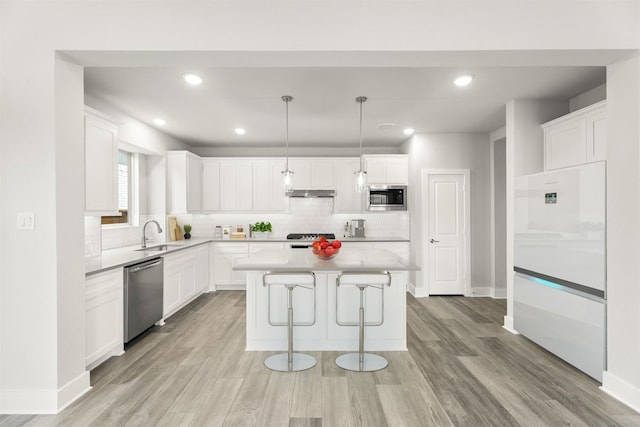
(452, 151)
(118, 33)
(622, 377)
(525, 155)
(500, 216)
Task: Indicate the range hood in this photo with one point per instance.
(310, 193)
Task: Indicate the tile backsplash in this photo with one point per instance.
(304, 216)
(98, 238)
(313, 215)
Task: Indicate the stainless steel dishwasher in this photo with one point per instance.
(143, 291)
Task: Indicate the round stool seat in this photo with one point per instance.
(280, 362)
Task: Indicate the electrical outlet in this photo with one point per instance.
(26, 220)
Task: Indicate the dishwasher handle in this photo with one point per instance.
(145, 266)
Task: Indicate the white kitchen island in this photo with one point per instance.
(326, 334)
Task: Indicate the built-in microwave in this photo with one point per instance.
(387, 198)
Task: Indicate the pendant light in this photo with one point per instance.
(287, 175)
(361, 175)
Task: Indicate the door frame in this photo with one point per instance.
(466, 173)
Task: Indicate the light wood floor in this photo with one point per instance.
(462, 369)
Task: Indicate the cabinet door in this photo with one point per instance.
(187, 280)
(210, 185)
(597, 136)
(194, 184)
(261, 186)
(245, 187)
(301, 173)
(375, 171)
(565, 144)
(397, 171)
(238, 277)
(104, 333)
(236, 186)
(277, 199)
(101, 165)
(347, 199)
(322, 174)
(171, 291)
(202, 268)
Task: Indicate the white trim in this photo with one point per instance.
(44, 401)
(466, 173)
(73, 390)
(621, 390)
(500, 293)
(508, 325)
(417, 292)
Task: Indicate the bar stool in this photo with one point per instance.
(361, 361)
(290, 361)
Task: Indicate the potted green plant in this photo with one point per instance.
(261, 229)
(187, 231)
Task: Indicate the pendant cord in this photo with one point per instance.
(287, 134)
(361, 133)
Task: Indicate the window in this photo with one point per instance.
(125, 190)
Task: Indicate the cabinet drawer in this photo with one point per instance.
(231, 248)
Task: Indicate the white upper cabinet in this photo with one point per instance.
(268, 191)
(347, 199)
(236, 185)
(210, 185)
(184, 181)
(387, 169)
(312, 173)
(577, 138)
(101, 163)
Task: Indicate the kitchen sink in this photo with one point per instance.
(157, 248)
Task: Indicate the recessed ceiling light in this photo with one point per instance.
(463, 80)
(160, 122)
(408, 131)
(192, 79)
(239, 131)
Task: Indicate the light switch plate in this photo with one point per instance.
(26, 220)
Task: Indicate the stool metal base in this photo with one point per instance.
(370, 362)
(280, 362)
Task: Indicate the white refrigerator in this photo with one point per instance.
(560, 263)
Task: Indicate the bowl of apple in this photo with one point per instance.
(325, 249)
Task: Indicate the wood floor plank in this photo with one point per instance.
(176, 419)
(336, 406)
(307, 398)
(397, 408)
(366, 408)
(275, 410)
(462, 369)
(217, 403)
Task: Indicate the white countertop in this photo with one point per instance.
(353, 259)
(284, 239)
(128, 255)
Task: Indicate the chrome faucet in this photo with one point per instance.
(144, 229)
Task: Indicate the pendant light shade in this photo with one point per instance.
(361, 174)
(287, 175)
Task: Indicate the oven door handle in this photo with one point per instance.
(300, 246)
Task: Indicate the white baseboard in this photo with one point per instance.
(621, 390)
(44, 401)
(417, 292)
(480, 291)
(499, 293)
(231, 287)
(508, 325)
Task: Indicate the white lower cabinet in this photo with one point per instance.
(226, 254)
(185, 277)
(104, 317)
(202, 268)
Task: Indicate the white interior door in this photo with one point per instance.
(446, 236)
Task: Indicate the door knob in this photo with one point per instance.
(435, 241)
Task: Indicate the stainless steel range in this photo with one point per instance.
(303, 240)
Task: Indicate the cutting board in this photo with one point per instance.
(172, 224)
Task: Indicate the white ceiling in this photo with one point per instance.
(324, 112)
